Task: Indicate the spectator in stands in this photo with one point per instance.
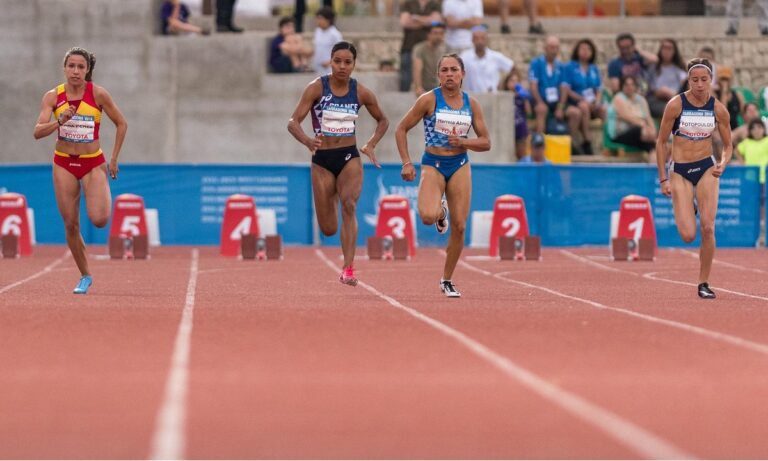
(426, 55)
(545, 77)
(538, 149)
(174, 17)
(483, 66)
(734, 11)
(225, 15)
(708, 53)
(630, 61)
(629, 118)
(750, 112)
(416, 19)
(582, 84)
(460, 17)
(522, 110)
(730, 99)
(667, 77)
(753, 151)
(326, 35)
(300, 9)
(288, 52)
(534, 26)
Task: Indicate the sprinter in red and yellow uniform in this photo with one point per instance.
(78, 160)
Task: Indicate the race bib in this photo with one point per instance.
(589, 95)
(80, 128)
(551, 94)
(452, 124)
(338, 122)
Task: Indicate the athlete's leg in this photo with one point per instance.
(67, 189)
(459, 193)
(326, 199)
(98, 199)
(682, 201)
(431, 189)
(349, 185)
(706, 192)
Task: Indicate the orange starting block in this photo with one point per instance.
(261, 248)
(510, 236)
(634, 237)
(528, 248)
(129, 247)
(10, 246)
(388, 248)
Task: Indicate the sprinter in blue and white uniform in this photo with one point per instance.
(337, 172)
(691, 117)
(448, 114)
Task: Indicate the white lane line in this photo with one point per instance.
(695, 255)
(169, 437)
(625, 432)
(40, 273)
(652, 276)
(711, 334)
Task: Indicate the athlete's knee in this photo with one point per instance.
(71, 226)
(707, 229)
(328, 229)
(458, 227)
(99, 221)
(349, 205)
(428, 218)
(688, 236)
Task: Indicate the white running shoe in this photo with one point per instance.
(442, 224)
(446, 286)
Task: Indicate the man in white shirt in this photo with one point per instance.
(460, 17)
(483, 65)
(326, 35)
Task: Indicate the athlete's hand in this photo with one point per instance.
(113, 168)
(666, 188)
(408, 173)
(455, 141)
(368, 150)
(65, 116)
(314, 143)
(719, 169)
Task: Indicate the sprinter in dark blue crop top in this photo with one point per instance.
(448, 114)
(692, 117)
(337, 172)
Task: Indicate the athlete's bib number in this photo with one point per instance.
(452, 124)
(80, 128)
(511, 226)
(338, 123)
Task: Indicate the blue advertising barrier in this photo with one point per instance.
(567, 204)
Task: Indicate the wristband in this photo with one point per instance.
(407, 163)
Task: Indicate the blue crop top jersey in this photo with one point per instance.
(335, 115)
(695, 123)
(446, 121)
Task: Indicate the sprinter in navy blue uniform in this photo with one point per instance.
(337, 172)
(691, 117)
(448, 114)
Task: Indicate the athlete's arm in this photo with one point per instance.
(104, 99)
(724, 127)
(419, 109)
(45, 126)
(311, 93)
(368, 99)
(482, 143)
(673, 109)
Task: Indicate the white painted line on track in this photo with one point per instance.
(711, 334)
(623, 431)
(169, 437)
(652, 276)
(40, 273)
(695, 255)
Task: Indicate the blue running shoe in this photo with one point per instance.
(82, 286)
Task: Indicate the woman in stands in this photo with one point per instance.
(448, 114)
(692, 117)
(78, 159)
(337, 172)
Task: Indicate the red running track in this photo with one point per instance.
(191, 355)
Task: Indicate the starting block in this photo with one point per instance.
(388, 248)
(528, 248)
(624, 249)
(267, 248)
(10, 246)
(129, 247)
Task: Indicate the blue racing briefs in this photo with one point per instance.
(447, 165)
(695, 170)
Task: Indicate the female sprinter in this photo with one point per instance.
(692, 117)
(448, 113)
(78, 158)
(337, 172)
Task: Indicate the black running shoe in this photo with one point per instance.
(446, 286)
(705, 292)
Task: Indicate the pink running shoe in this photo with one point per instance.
(347, 276)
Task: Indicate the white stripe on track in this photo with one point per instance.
(652, 276)
(625, 432)
(711, 334)
(695, 255)
(40, 273)
(169, 437)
